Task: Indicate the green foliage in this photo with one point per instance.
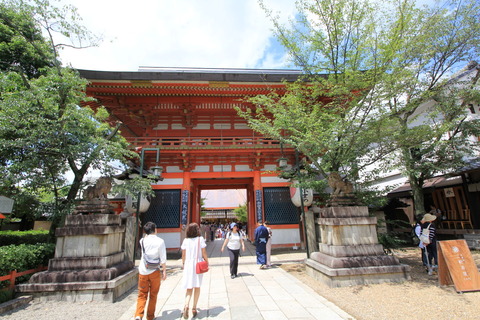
(46, 126)
(24, 257)
(20, 41)
(203, 213)
(390, 241)
(241, 213)
(393, 240)
(132, 187)
(439, 140)
(25, 203)
(24, 237)
(371, 68)
(6, 295)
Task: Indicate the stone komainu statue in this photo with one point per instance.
(340, 187)
(99, 190)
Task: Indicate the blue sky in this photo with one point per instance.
(180, 33)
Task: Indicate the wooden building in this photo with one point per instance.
(188, 118)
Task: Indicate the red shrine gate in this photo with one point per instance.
(188, 117)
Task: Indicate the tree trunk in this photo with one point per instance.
(418, 197)
(416, 181)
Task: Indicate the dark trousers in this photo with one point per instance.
(424, 257)
(233, 254)
(432, 253)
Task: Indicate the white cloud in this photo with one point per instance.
(181, 33)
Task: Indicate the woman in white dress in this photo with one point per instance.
(193, 250)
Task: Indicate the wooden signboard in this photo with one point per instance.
(456, 266)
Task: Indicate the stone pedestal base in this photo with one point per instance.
(344, 277)
(81, 291)
(90, 262)
(349, 252)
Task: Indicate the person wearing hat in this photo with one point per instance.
(418, 232)
(427, 222)
(233, 241)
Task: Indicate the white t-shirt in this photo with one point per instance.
(234, 240)
(154, 249)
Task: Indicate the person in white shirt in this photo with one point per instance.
(233, 241)
(154, 257)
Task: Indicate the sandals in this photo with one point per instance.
(185, 313)
(194, 312)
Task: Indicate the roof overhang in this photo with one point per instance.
(437, 182)
(229, 75)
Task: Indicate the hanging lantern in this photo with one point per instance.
(131, 204)
(282, 162)
(296, 193)
(157, 171)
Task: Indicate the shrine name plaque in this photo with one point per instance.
(456, 266)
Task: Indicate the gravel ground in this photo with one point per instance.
(61, 310)
(420, 298)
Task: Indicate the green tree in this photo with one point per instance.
(46, 130)
(429, 105)
(329, 115)
(203, 212)
(241, 213)
(361, 58)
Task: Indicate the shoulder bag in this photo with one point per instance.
(202, 266)
(148, 264)
(425, 235)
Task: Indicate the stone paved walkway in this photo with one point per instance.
(255, 294)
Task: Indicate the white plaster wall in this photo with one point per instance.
(285, 236)
(177, 126)
(161, 126)
(222, 168)
(201, 169)
(272, 180)
(204, 126)
(241, 126)
(172, 239)
(269, 167)
(242, 168)
(218, 126)
(167, 182)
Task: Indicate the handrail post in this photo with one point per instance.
(13, 276)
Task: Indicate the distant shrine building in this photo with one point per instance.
(186, 118)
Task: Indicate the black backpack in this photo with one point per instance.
(413, 235)
(230, 233)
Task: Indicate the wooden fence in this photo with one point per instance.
(14, 274)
